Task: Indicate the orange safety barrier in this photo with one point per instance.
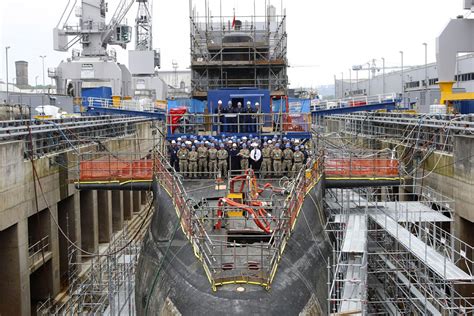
(362, 167)
(116, 170)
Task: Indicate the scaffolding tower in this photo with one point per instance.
(395, 254)
(229, 51)
(105, 284)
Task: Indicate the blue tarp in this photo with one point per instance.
(296, 106)
(193, 106)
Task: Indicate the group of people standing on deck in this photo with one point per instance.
(237, 119)
(205, 157)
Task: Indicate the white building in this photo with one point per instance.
(178, 81)
(413, 81)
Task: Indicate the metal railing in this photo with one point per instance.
(398, 220)
(253, 123)
(354, 101)
(131, 105)
(60, 134)
(38, 250)
(257, 264)
(204, 84)
(423, 130)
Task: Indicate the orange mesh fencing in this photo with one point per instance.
(386, 168)
(116, 170)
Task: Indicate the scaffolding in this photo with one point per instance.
(394, 253)
(105, 284)
(422, 130)
(238, 51)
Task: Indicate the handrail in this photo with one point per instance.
(355, 101)
(37, 248)
(202, 243)
(134, 105)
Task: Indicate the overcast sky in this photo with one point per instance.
(330, 36)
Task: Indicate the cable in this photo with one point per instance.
(88, 254)
(64, 135)
(160, 267)
(430, 153)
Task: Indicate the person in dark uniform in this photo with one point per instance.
(305, 153)
(252, 126)
(246, 119)
(234, 158)
(239, 119)
(173, 153)
(229, 114)
(233, 117)
(219, 117)
(225, 121)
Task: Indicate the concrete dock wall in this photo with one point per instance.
(35, 261)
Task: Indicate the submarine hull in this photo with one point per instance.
(178, 285)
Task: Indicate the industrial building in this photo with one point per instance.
(414, 82)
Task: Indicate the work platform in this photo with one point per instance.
(438, 263)
(404, 247)
(386, 102)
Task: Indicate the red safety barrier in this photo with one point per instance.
(354, 168)
(116, 170)
(122, 170)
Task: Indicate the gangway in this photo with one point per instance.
(98, 106)
(99, 110)
(429, 256)
(387, 102)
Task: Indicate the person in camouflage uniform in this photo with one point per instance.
(277, 154)
(244, 157)
(266, 167)
(287, 160)
(298, 158)
(202, 155)
(212, 153)
(222, 156)
(183, 160)
(193, 162)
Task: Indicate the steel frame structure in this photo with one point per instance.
(394, 275)
(258, 60)
(103, 284)
(422, 129)
(56, 135)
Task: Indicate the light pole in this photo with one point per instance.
(6, 58)
(342, 80)
(369, 68)
(350, 82)
(357, 81)
(44, 83)
(403, 80)
(335, 86)
(383, 75)
(426, 66)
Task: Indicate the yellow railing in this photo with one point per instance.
(195, 232)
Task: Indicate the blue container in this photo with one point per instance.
(464, 107)
(96, 93)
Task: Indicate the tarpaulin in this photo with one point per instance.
(193, 106)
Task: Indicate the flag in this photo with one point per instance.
(233, 21)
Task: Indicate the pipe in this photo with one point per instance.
(140, 186)
(350, 184)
